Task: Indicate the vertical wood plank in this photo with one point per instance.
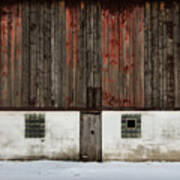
(170, 57)
(25, 91)
(90, 44)
(81, 72)
(38, 57)
(176, 35)
(40, 61)
(105, 55)
(163, 7)
(97, 56)
(69, 59)
(160, 53)
(18, 56)
(121, 63)
(131, 63)
(47, 52)
(89, 51)
(75, 52)
(155, 57)
(11, 54)
(113, 68)
(148, 61)
(141, 32)
(4, 57)
(124, 77)
(33, 26)
(137, 57)
(61, 60)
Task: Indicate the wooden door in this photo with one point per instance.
(90, 137)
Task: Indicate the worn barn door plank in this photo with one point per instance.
(121, 63)
(155, 57)
(170, 57)
(4, 58)
(11, 54)
(139, 57)
(47, 52)
(97, 55)
(82, 61)
(62, 59)
(105, 56)
(176, 35)
(160, 53)
(18, 56)
(90, 137)
(90, 58)
(164, 55)
(33, 27)
(56, 51)
(25, 55)
(75, 52)
(68, 84)
(147, 59)
(113, 78)
(131, 63)
(40, 60)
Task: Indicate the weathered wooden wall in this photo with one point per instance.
(162, 55)
(123, 56)
(90, 55)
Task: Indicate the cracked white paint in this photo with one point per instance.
(61, 140)
(160, 137)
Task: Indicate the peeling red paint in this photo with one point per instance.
(69, 37)
(12, 47)
(72, 30)
(76, 29)
(120, 56)
(120, 31)
(11, 50)
(127, 60)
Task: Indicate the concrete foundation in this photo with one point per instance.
(160, 137)
(61, 139)
(159, 140)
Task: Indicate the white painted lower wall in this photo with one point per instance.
(61, 140)
(160, 137)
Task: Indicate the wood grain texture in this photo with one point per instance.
(161, 76)
(25, 55)
(170, 56)
(147, 58)
(155, 57)
(4, 57)
(176, 36)
(123, 57)
(90, 137)
(61, 54)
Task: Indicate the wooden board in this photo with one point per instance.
(86, 55)
(90, 136)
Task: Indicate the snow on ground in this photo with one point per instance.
(60, 170)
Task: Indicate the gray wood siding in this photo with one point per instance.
(162, 51)
(90, 137)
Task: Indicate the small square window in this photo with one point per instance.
(34, 126)
(131, 126)
(131, 123)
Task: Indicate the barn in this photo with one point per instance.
(90, 80)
